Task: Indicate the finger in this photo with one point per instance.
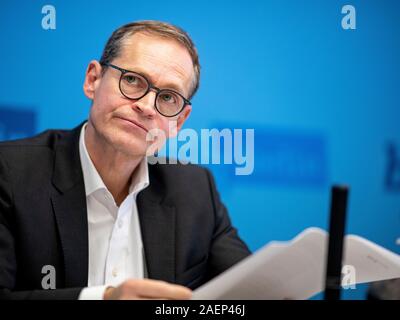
(160, 289)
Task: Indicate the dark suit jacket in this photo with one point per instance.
(187, 235)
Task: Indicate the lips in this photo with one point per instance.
(135, 123)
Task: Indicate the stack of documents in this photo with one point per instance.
(296, 269)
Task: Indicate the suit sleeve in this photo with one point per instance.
(8, 259)
(227, 248)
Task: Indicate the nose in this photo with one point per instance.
(145, 105)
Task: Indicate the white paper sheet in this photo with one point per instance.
(296, 269)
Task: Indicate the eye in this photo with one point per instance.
(131, 79)
(169, 98)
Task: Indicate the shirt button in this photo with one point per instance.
(115, 272)
(120, 224)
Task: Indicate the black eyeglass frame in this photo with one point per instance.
(149, 87)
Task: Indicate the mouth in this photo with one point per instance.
(137, 124)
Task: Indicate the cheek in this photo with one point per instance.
(104, 104)
(168, 126)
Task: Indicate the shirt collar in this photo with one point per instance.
(92, 179)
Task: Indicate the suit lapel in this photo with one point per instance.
(69, 205)
(157, 221)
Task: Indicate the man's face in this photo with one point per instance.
(124, 123)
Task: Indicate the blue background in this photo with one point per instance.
(324, 101)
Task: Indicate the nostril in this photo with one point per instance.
(137, 107)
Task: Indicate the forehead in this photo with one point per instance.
(166, 62)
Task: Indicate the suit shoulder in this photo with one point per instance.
(31, 151)
(181, 177)
(181, 170)
(44, 139)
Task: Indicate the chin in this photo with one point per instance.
(133, 149)
(128, 145)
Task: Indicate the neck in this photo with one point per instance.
(114, 167)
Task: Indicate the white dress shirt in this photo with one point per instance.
(115, 241)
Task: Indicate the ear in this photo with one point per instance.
(180, 121)
(92, 79)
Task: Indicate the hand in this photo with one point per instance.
(139, 289)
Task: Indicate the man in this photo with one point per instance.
(85, 207)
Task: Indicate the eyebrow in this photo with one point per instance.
(169, 86)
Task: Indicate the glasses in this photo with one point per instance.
(135, 86)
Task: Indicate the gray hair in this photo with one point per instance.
(158, 28)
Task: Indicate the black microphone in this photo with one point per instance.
(337, 223)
